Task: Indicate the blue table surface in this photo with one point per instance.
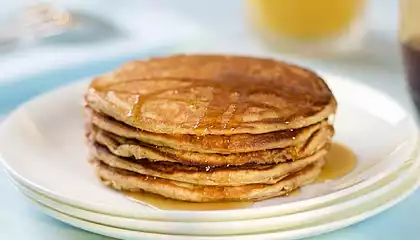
(20, 220)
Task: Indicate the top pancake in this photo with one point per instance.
(212, 94)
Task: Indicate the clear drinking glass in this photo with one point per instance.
(410, 44)
(309, 26)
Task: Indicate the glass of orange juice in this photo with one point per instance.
(409, 36)
(309, 26)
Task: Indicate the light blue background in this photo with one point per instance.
(20, 220)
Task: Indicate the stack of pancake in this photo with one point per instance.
(209, 128)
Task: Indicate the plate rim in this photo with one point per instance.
(293, 234)
(350, 203)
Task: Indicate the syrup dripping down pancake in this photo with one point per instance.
(130, 181)
(209, 128)
(208, 94)
(205, 175)
(238, 143)
(124, 147)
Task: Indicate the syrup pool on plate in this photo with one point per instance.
(340, 161)
(159, 202)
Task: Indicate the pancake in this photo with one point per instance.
(209, 128)
(210, 94)
(205, 175)
(129, 181)
(124, 147)
(221, 144)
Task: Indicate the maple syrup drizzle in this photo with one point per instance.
(159, 202)
(339, 162)
(224, 87)
(294, 193)
(229, 91)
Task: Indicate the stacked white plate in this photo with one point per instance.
(42, 148)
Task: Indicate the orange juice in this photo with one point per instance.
(410, 44)
(305, 19)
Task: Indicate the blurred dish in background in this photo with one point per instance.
(55, 25)
(35, 22)
(45, 19)
(309, 27)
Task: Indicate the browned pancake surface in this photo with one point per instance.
(212, 94)
(206, 175)
(124, 147)
(130, 181)
(208, 143)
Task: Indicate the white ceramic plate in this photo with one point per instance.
(328, 211)
(42, 146)
(334, 222)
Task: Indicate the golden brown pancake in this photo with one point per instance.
(208, 128)
(205, 175)
(124, 147)
(209, 143)
(210, 94)
(129, 181)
